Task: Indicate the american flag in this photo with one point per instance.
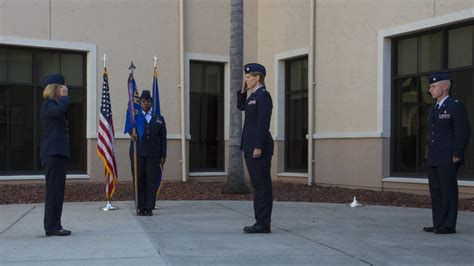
(106, 139)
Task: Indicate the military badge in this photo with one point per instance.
(445, 116)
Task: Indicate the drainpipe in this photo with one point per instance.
(311, 88)
(181, 87)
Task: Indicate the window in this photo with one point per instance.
(296, 115)
(448, 49)
(21, 73)
(206, 147)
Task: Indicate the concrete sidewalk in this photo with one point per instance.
(210, 233)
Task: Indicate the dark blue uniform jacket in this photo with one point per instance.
(258, 111)
(55, 132)
(449, 132)
(153, 142)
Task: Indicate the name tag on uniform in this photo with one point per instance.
(445, 116)
(252, 102)
(159, 121)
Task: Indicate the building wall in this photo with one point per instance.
(349, 146)
(12, 22)
(346, 58)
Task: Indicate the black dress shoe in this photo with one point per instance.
(248, 227)
(61, 232)
(429, 229)
(141, 212)
(257, 229)
(149, 212)
(444, 230)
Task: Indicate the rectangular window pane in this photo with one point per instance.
(296, 115)
(462, 90)
(407, 56)
(212, 81)
(304, 74)
(424, 108)
(207, 117)
(19, 66)
(72, 68)
(407, 91)
(460, 47)
(195, 129)
(295, 74)
(196, 75)
(297, 129)
(430, 52)
(3, 65)
(406, 125)
(76, 130)
(20, 132)
(3, 128)
(46, 64)
(39, 130)
(426, 98)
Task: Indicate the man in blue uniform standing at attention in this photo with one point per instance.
(257, 143)
(449, 132)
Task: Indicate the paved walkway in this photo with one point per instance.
(210, 233)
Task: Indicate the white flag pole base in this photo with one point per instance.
(355, 203)
(109, 207)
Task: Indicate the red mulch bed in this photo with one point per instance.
(34, 193)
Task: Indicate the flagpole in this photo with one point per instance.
(108, 206)
(155, 99)
(135, 157)
(155, 76)
(135, 171)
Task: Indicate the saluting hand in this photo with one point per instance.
(257, 153)
(63, 91)
(244, 87)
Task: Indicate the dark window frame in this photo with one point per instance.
(418, 75)
(288, 93)
(35, 85)
(220, 151)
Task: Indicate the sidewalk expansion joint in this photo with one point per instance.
(17, 220)
(325, 245)
(157, 248)
(303, 237)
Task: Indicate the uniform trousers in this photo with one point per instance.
(259, 171)
(444, 195)
(55, 172)
(148, 170)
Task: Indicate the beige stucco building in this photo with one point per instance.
(351, 54)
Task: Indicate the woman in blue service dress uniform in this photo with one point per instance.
(257, 143)
(54, 151)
